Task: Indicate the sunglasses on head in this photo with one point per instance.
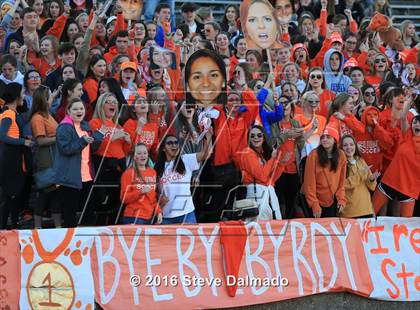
(315, 76)
(378, 60)
(172, 143)
(258, 135)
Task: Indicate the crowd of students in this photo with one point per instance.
(92, 132)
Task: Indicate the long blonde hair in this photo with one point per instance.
(99, 109)
(404, 26)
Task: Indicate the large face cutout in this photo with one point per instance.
(260, 24)
(131, 9)
(205, 81)
(162, 57)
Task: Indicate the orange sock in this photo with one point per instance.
(379, 199)
(233, 238)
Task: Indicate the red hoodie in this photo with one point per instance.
(371, 143)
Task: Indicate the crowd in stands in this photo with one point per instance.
(95, 131)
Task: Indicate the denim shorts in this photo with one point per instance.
(188, 218)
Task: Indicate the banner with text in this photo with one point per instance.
(186, 266)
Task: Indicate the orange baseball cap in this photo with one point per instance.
(129, 65)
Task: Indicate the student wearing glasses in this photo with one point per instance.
(316, 83)
(174, 173)
(350, 44)
(109, 159)
(261, 166)
(369, 95)
(313, 124)
(31, 81)
(378, 70)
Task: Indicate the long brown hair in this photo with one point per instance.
(40, 101)
(266, 154)
(136, 168)
(323, 157)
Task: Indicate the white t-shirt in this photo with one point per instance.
(177, 187)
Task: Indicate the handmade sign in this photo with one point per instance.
(209, 265)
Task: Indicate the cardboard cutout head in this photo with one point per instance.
(162, 57)
(131, 9)
(259, 23)
(390, 35)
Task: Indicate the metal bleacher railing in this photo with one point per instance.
(405, 10)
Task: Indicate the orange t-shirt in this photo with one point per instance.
(138, 204)
(43, 126)
(149, 135)
(41, 65)
(325, 100)
(403, 173)
(85, 164)
(13, 131)
(288, 146)
(111, 149)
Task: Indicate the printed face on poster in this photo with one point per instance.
(162, 57)
(260, 24)
(131, 9)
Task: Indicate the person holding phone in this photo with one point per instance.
(73, 164)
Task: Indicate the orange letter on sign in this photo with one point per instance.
(397, 231)
(404, 275)
(385, 262)
(379, 249)
(415, 242)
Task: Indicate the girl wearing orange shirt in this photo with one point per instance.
(325, 173)
(290, 139)
(138, 191)
(378, 69)
(139, 126)
(316, 82)
(401, 180)
(261, 167)
(341, 114)
(48, 60)
(109, 158)
(96, 71)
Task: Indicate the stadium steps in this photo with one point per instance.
(405, 9)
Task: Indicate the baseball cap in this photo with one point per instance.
(128, 65)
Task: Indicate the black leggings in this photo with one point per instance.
(9, 205)
(45, 199)
(287, 187)
(73, 200)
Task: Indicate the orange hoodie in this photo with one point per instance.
(371, 143)
(320, 183)
(138, 204)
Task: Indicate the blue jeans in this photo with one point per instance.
(134, 220)
(150, 7)
(188, 218)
